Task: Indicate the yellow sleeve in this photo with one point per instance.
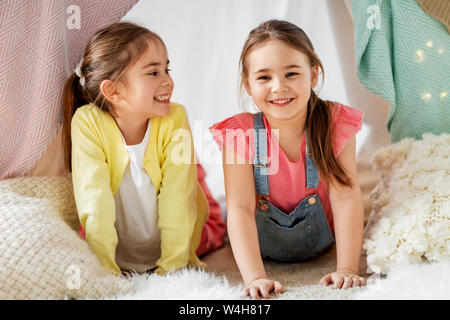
(180, 220)
(93, 195)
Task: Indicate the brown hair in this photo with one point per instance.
(318, 119)
(108, 55)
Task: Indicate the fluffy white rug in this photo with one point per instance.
(186, 284)
(411, 282)
(404, 282)
(410, 221)
(200, 285)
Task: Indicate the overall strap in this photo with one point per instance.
(260, 162)
(311, 174)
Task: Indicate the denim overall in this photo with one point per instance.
(299, 235)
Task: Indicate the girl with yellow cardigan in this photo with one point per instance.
(138, 196)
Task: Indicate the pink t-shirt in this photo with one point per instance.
(287, 179)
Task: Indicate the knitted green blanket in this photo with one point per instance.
(402, 54)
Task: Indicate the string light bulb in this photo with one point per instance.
(426, 96)
(420, 56)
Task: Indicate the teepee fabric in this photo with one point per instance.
(402, 55)
(41, 43)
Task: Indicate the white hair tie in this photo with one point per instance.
(78, 72)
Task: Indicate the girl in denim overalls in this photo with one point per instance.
(290, 171)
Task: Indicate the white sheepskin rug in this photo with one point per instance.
(410, 220)
(404, 282)
(411, 282)
(186, 284)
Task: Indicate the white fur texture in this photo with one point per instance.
(186, 284)
(404, 282)
(410, 220)
(411, 282)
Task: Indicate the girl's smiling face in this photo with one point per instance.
(279, 79)
(148, 87)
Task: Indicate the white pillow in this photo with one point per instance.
(41, 254)
(410, 220)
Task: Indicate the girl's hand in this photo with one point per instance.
(343, 279)
(263, 287)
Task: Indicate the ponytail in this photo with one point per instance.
(72, 99)
(319, 126)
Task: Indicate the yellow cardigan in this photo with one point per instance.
(99, 160)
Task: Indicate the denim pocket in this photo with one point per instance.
(288, 243)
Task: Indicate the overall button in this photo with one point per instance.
(312, 201)
(263, 206)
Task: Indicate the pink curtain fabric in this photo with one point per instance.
(41, 43)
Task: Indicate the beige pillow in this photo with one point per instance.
(41, 253)
(410, 220)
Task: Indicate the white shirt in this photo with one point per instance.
(139, 245)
